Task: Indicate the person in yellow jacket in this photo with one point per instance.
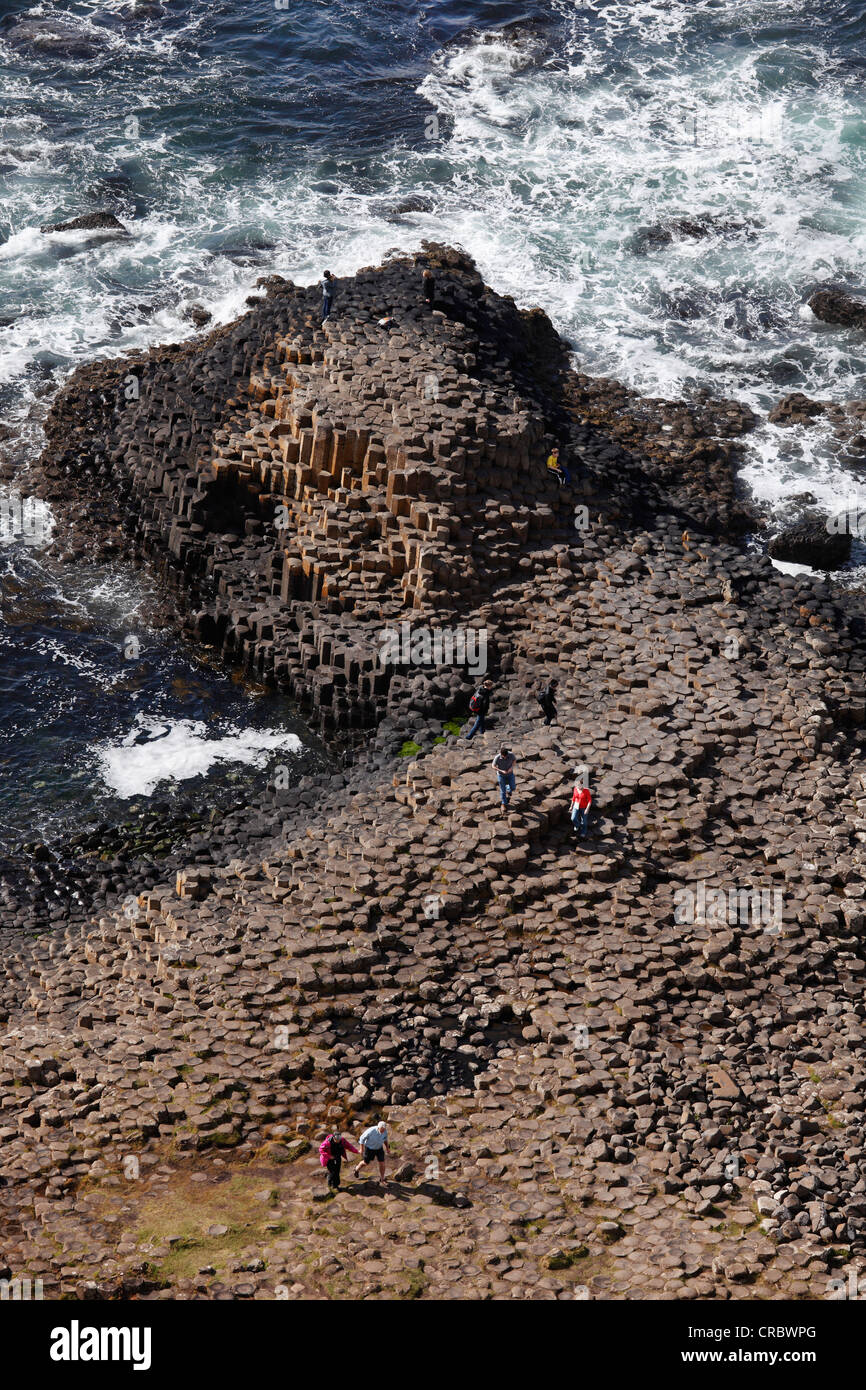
(559, 470)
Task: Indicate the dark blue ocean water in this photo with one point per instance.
(242, 136)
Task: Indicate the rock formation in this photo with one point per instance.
(631, 1066)
(835, 306)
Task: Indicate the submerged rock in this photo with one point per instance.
(53, 36)
(530, 41)
(392, 209)
(699, 228)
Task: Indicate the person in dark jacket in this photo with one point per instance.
(327, 286)
(479, 705)
(547, 700)
(429, 286)
(332, 1151)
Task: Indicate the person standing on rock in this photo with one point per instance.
(332, 1151)
(503, 766)
(547, 699)
(374, 1146)
(479, 705)
(559, 470)
(581, 800)
(429, 287)
(327, 284)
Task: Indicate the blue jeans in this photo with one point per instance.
(580, 820)
(326, 306)
(477, 727)
(507, 783)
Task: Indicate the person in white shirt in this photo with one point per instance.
(374, 1145)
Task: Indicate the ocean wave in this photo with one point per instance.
(156, 751)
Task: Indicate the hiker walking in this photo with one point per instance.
(374, 1146)
(581, 800)
(332, 1151)
(503, 766)
(546, 697)
(559, 470)
(479, 706)
(327, 284)
(428, 285)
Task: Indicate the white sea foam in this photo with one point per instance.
(156, 751)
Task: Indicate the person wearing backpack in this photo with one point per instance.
(581, 800)
(479, 706)
(546, 697)
(332, 1151)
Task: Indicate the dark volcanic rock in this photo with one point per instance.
(197, 314)
(796, 409)
(809, 542)
(699, 228)
(530, 42)
(393, 208)
(56, 37)
(659, 1025)
(836, 306)
(88, 222)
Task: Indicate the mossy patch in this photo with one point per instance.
(186, 1211)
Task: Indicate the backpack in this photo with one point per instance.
(476, 704)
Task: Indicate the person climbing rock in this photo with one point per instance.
(332, 1151)
(479, 705)
(581, 800)
(429, 286)
(327, 285)
(546, 697)
(503, 766)
(374, 1147)
(559, 470)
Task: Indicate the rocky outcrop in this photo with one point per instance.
(307, 486)
(812, 541)
(88, 222)
(626, 1067)
(699, 228)
(835, 306)
(796, 409)
(197, 315)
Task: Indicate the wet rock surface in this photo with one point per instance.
(836, 306)
(630, 1065)
(88, 222)
(810, 541)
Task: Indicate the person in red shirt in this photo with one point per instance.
(581, 800)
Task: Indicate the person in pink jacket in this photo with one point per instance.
(332, 1151)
